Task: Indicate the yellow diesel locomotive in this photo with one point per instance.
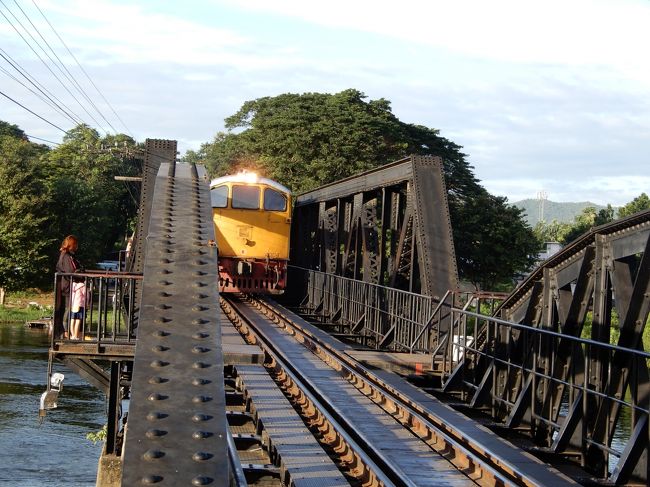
(252, 222)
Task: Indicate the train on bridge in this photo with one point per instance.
(252, 222)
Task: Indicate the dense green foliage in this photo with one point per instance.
(46, 194)
(590, 217)
(640, 203)
(305, 141)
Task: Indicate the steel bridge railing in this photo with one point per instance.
(545, 400)
(510, 370)
(110, 306)
(388, 318)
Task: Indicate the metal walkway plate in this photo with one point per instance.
(176, 431)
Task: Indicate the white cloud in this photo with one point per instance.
(596, 32)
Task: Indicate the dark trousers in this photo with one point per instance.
(61, 319)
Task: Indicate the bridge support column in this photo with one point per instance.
(109, 471)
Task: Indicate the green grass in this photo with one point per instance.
(18, 308)
(21, 314)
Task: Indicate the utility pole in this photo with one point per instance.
(542, 196)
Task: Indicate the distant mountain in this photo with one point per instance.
(562, 212)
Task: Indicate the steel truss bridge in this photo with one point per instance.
(375, 369)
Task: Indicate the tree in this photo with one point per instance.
(640, 203)
(305, 141)
(554, 231)
(495, 243)
(24, 203)
(87, 201)
(586, 220)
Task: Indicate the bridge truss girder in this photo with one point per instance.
(603, 274)
(388, 226)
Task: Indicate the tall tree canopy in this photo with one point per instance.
(640, 203)
(24, 202)
(46, 194)
(305, 141)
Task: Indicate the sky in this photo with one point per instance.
(545, 97)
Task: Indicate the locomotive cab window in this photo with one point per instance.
(219, 196)
(274, 200)
(246, 197)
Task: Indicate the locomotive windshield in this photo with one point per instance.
(274, 200)
(219, 196)
(246, 197)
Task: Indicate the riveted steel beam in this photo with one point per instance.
(176, 430)
(387, 226)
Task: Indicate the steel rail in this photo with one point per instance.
(370, 461)
(475, 466)
(421, 423)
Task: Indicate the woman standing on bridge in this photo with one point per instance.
(68, 264)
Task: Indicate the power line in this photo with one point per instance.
(43, 61)
(32, 112)
(69, 75)
(41, 97)
(82, 69)
(43, 140)
(39, 86)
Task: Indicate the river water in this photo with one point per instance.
(56, 452)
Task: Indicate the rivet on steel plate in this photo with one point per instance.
(153, 454)
(201, 334)
(200, 365)
(199, 417)
(156, 415)
(151, 479)
(199, 349)
(200, 399)
(155, 433)
(159, 348)
(201, 480)
(157, 380)
(158, 363)
(200, 435)
(161, 333)
(201, 456)
(157, 397)
(200, 382)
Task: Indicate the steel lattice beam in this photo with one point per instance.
(604, 273)
(388, 226)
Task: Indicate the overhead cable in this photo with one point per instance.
(67, 72)
(39, 95)
(45, 63)
(42, 140)
(82, 69)
(32, 112)
(69, 113)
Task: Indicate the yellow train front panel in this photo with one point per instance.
(252, 219)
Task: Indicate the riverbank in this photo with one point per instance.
(26, 305)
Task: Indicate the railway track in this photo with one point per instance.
(375, 428)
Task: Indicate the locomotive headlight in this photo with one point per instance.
(248, 177)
